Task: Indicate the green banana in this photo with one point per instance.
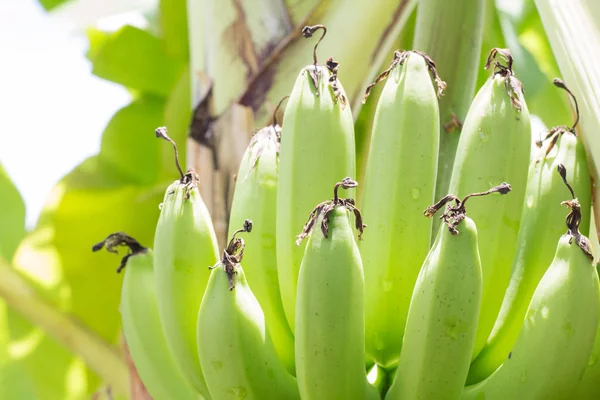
(444, 309)
(235, 349)
(494, 147)
(540, 225)
(330, 347)
(589, 387)
(184, 243)
(405, 134)
(317, 119)
(554, 345)
(255, 198)
(141, 323)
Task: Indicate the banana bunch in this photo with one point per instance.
(368, 301)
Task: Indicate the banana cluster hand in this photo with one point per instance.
(491, 308)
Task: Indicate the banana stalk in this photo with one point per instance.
(330, 325)
(141, 322)
(184, 245)
(405, 135)
(438, 34)
(554, 344)
(444, 309)
(255, 198)
(317, 148)
(494, 147)
(234, 345)
(541, 224)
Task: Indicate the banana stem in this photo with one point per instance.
(100, 356)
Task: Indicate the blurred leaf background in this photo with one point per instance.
(59, 320)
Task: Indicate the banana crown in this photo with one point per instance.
(233, 254)
(400, 56)
(118, 239)
(453, 215)
(326, 207)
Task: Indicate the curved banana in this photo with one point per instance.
(317, 147)
(330, 346)
(540, 225)
(184, 244)
(405, 138)
(255, 198)
(554, 344)
(236, 352)
(443, 313)
(494, 147)
(141, 323)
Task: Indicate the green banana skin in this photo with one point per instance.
(557, 336)
(185, 245)
(236, 352)
(330, 355)
(255, 198)
(144, 334)
(405, 134)
(311, 124)
(494, 147)
(541, 224)
(442, 319)
(589, 387)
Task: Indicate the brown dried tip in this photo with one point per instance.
(553, 134)
(120, 239)
(453, 215)
(326, 207)
(514, 87)
(334, 83)
(233, 254)
(399, 57)
(574, 218)
(308, 31)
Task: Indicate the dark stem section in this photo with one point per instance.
(399, 57)
(275, 123)
(553, 134)
(502, 60)
(161, 132)
(233, 254)
(308, 31)
(190, 178)
(120, 239)
(559, 83)
(453, 215)
(574, 218)
(326, 207)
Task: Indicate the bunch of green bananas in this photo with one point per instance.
(501, 304)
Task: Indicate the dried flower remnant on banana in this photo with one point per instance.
(233, 254)
(120, 239)
(328, 206)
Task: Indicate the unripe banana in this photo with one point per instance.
(552, 350)
(184, 244)
(141, 323)
(494, 147)
(540, 225)
(405, 138)
(330, 346)
(255, 198)
(589, 387)
(317, 147)
(234, 345)
(444, 308)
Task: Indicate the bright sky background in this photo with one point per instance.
(52, 110)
